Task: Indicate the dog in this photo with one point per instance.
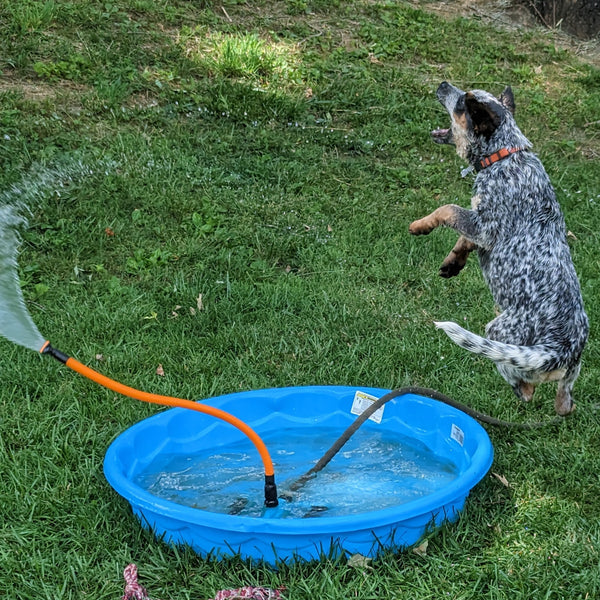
(517, 228)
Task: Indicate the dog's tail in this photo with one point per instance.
(528, 358)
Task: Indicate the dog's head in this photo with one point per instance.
(480, 122)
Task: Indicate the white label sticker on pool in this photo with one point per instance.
(457, 434)
(375, 470)
(362, 401)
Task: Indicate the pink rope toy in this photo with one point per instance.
(134, 591)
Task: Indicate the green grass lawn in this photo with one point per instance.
(224, 189)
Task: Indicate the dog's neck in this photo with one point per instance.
(488, 161)
(504, 142)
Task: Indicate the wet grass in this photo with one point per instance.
(267, 157)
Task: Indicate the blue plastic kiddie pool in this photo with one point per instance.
(301, 423)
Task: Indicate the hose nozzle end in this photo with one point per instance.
(57, 354)
(271, 500)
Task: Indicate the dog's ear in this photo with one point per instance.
(507, 99)
(485, 116)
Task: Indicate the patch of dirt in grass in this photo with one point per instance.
(142, 101)
(31, 91)
(41, 91)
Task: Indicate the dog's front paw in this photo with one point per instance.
(453, 264)
(451, 269)
(421, 227)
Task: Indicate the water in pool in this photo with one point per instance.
(373, 471)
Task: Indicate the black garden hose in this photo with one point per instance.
(377, 404)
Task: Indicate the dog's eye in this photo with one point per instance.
(460, 106)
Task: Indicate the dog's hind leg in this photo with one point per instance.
(457, 258)
(524, 390)
(563, 404)
(516, 379)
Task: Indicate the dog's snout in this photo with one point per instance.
(443, 87)
(442, 91)
(447, 90)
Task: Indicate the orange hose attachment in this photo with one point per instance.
(125, 390)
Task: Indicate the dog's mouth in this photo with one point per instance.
(442, 136)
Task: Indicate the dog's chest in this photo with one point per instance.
(475, 201)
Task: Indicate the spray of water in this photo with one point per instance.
(16, 323)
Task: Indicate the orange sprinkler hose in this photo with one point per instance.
(125, 390)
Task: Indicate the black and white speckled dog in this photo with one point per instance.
(517, 228)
